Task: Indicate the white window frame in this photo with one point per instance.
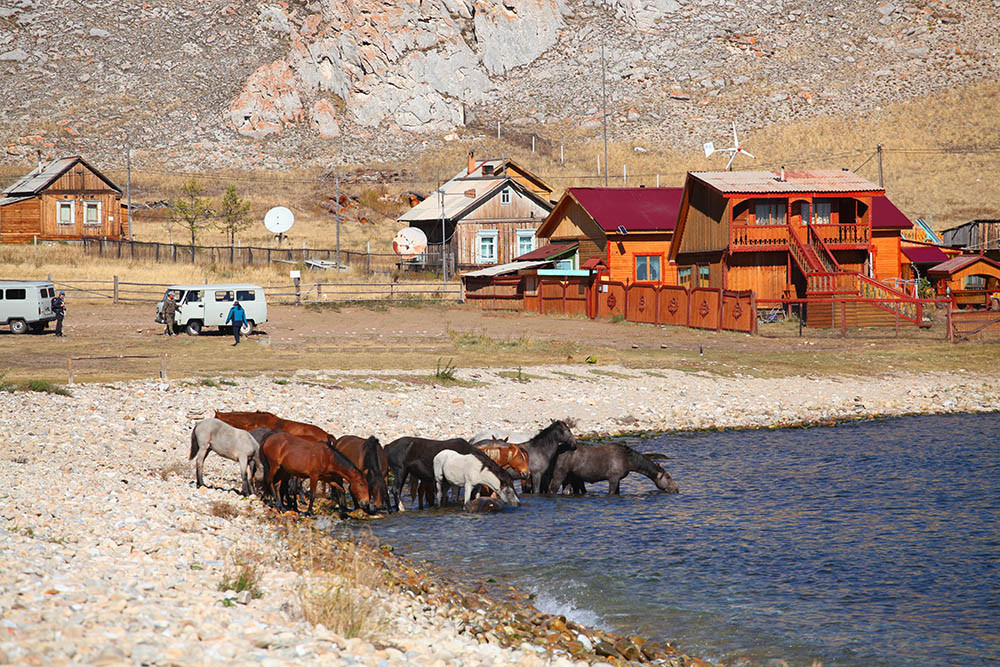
(88, 204)
(72, 212)
(481, 236)
(505, 196)
(522, 235)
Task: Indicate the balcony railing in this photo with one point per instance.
(842, 235)
(775, 237)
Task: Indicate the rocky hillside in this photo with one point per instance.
(282, 83)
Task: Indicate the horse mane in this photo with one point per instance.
(342, 460)
(491, 465)
(640, 462)
(370, 453)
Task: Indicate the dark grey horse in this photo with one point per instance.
(594, 463)
(548, 445)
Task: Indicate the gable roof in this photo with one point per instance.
(924, 254)
(885, 215)
(796, 181)
(956, 264)
(548, 251)
(43, 176)
(635, 209)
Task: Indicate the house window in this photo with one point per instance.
(525, 241)
(703, 276)
(823, 209)
(805, 211)
(647, 268)
(684, 277)
(92, 213)
(486, 247)
(505, 196)
(770, 212)
(64, 213)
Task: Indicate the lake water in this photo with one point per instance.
(872, 543)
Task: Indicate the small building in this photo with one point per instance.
(976, 236)
(787, 234)
(969, 280)
(486, 214)
(65, 200)
(627, 230)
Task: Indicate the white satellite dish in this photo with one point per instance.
(409, 243)
(735, 150)
(278, 220)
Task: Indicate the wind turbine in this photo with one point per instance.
(735, 150)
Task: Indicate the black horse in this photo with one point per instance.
(544, 450)
(594, 463)
(415, 456)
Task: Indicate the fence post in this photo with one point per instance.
(163, 365)
(722, 300)
(843, 319)
(115, 298)
(69, 368)
(753, 310)
(319, 291)
(951, 332)
(298, 292)
(131, 246)
(898, 308)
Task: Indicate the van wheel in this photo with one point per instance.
(18, 327)
(247, 328)
(194, 327)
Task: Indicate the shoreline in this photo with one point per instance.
(119, 558)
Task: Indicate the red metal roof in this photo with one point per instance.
(594, 262)
(885, 215)
(547, 251)
(924, 254)
(635, 209)
(956, 264)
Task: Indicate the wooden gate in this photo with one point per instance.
(611, 299)
(641, 303)
(739, 311)
(705, 308)
(982, 325)
(672, 305)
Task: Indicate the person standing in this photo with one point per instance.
(238, 317)
(169, 313)
(59, 308)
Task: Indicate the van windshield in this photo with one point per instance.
(194, 296)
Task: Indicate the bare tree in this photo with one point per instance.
(191, 210)
(235, 214)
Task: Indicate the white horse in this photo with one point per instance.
(235, 444)
(469, 470)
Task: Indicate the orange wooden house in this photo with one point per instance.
(787, 234)
(627, 230)
(65, 200)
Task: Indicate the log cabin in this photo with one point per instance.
(787, 234)
(65, 200)
(625, 231)
(486, 214)
(968, 280)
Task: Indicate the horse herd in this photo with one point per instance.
(281, 453)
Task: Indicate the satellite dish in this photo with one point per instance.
(409, 243)
(734, 150)
(278, 220)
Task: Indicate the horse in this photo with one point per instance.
(286, 455)
(506, 456)
(419, 460)
(594, 463)
(507, 435)
(251, 420)
(543, 451)
(469, 471)
(369, 457)
(214, 435)
(395, 455)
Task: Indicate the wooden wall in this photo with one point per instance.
(577, 225)
(520, 207)
(766, 273)
(110, 216)
(19, 222)
(623, 249)
(886, 254)
(706, 226)
(506, 239)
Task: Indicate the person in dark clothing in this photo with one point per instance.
(169, 313)
(59, 309)
(238, 317)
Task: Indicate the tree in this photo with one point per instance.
(191, 210)
(235, 214)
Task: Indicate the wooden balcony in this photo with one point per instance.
(750, 238)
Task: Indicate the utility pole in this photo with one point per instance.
(128, 184)
(604, 113)
(336, 211)
(880, 167)
(444, 263)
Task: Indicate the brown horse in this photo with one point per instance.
(506, 456)
(369, 457)
(286, 455)
(248, 421)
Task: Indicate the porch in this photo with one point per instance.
(755, 238)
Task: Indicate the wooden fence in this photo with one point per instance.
(369, 262)
(980, 325)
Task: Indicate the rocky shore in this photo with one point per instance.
(112, 556)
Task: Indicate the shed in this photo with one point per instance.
(969, 279)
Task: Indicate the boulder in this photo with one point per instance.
(269, 101)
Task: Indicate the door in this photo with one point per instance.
(192, 307)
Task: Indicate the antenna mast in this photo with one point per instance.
(604, 113)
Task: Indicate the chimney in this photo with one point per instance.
(39, 160)
(472, 162)
(782, 179)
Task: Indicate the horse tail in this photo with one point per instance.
(194, 443)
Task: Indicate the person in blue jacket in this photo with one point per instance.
(238, 317)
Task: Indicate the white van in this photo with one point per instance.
(200, 306)
(26, 305)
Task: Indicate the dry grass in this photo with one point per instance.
(338, 582)
(243, 573)
(223, 510)
(169, 470)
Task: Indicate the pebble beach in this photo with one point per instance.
(112, 556)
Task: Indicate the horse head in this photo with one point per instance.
(375, 475)
(507, 493)
(563, 435)
(664, 482)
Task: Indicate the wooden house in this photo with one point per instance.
(969, 280)
(787, 234)
(486, 214)
(67, 199)
(627, 230)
